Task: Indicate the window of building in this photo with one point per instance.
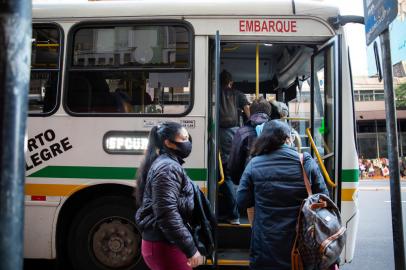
(373, 139)
(138, 69)
(356, 95)
(366, 126)
(380, 126)
(368, 95)
(45, 69)
(367, 145)
(378, 95)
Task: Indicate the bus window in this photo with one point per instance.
(323, 106)
(130, 69)
(45, 67)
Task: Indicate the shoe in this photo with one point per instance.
(235, 221)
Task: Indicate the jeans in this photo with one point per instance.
(227, 189)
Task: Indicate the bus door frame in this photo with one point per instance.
(213, 121)
(335, 44)
(213, 126)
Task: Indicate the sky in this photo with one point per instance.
(355, 35)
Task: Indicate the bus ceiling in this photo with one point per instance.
(279, 65)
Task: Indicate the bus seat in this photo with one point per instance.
(102, 99)
(79, 94)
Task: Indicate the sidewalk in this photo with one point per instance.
(379, 178)
(374, 184)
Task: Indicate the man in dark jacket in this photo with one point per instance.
(260, 111)
(231, 104)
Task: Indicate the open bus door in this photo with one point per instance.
(232, 242)
(213, 127)
(325, 116)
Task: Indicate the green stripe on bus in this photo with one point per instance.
(86, 172)
(197, 174)
(349, 175)
(122, 173)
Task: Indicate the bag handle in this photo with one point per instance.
(306, 179)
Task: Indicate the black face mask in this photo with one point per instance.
(183, 149)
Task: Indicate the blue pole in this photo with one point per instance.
(15, 58)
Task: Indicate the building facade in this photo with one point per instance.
(371, 118)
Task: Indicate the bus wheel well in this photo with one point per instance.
(72, 206)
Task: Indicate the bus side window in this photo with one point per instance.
(133, 68)
(89, 92)
(45, 69)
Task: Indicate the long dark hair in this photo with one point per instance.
(273, 136)
(157, 136)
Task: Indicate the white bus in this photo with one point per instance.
(104, 72)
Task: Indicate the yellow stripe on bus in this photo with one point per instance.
(51, 189)
(66, 190)
(229, 262)
(347, 194)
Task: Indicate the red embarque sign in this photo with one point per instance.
(268, 25)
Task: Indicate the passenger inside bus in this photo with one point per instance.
(280, 67)
(129, 92)
(231, 102)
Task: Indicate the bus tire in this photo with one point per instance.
(103, 236)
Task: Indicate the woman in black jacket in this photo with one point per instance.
(273, 182)
(165, 199)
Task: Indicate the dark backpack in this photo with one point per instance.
(228, 108)
(320, 235)
(203, 224)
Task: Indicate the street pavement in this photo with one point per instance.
(374, 246)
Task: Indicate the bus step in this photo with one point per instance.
(234, 257)
(244, 223)
(233, 236)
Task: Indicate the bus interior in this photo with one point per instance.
(285, 74)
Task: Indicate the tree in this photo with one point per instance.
(400, 92)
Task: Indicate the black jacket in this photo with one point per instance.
(167, 204)
(274, 184)
(240, 150)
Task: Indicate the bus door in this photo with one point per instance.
(232, 241)
(213, 126)
(213, 117)
(324, 112)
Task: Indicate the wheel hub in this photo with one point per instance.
(115, 243)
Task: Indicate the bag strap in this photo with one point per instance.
(306, 179)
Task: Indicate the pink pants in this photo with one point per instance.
(163, 256)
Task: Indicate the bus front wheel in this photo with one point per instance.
(103, 236)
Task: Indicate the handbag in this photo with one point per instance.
(320, 235)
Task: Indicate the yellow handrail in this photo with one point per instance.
(257, 72)
(222, 178)
(323, 168)
(46, 45)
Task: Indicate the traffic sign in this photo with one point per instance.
(378, 15)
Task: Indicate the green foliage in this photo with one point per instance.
(400, 92)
